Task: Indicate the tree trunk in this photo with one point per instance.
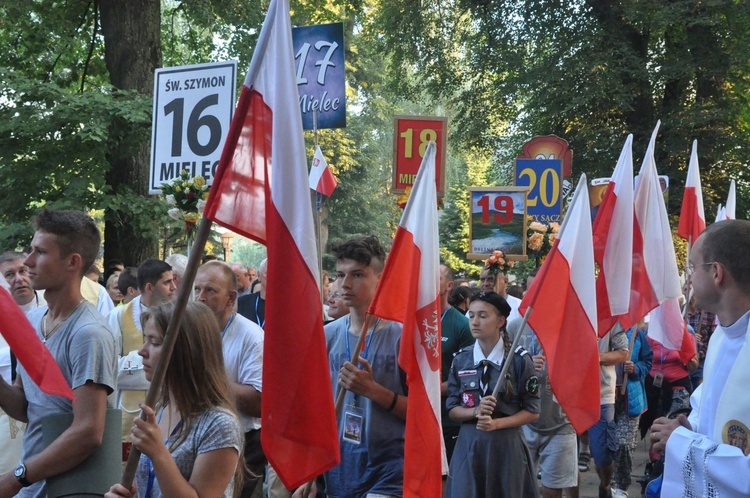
(131, 32)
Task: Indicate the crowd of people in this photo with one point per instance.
(504, 436)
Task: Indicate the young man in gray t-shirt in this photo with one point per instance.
(65, 245)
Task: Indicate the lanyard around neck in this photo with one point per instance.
(369, 340)
(226, 327)
(151, 470)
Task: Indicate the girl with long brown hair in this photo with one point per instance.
(191, 441)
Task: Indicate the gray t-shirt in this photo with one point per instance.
(213, 429)
(84, 348)
(552, 419)
(376, 465)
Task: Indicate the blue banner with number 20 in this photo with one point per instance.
(544, 179)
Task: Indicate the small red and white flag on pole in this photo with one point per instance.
(613, 242)
(408, 293)
(692, 215)
(28, 348)
(321, 177)
(260, 192)
(565, 321)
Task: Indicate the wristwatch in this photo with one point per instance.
(20, 474)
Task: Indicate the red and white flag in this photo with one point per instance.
(28, 348)
(563, 315)
(321, 177)
(647, 222)
(260, 191)
(667, 326)
(613, 242)
(659, 270)
(730, 207)
(408, 293)
(692, 215)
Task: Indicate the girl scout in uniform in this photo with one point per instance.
(491, 458)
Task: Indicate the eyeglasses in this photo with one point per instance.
(691, 267)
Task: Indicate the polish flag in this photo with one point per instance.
(648, 228)
(692, 215)
(659, 270)
(731, 206)
(667, 326)
(260, 191)
(408, 292)
(613, 242)
(565, 321)
(29, 349)
(321, 177)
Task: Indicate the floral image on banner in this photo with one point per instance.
(187, 196)
(540, 239)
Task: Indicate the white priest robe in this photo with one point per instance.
(712, 460)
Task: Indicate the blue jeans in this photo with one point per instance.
(602, 440)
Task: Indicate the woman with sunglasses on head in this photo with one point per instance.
(491, 458)
(191, 440)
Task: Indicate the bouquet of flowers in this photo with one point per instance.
(540, 239)
(187, 196)
(497, 263)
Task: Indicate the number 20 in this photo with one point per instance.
(547, 176)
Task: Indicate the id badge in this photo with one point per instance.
(354, 424)
(658, 379)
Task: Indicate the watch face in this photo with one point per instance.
(20, 471)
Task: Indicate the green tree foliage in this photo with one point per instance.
(590, 71)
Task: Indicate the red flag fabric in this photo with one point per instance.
(29, 349)
(692, 215)
(260, 191)
(613, 243)
(408, 293)
(563, 315)
(321, 177)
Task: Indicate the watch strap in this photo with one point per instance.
(21, 477)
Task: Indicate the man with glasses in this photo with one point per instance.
(707, 453)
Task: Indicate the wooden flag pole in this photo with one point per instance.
(514, 344)
(354, 359)
(170, 337)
